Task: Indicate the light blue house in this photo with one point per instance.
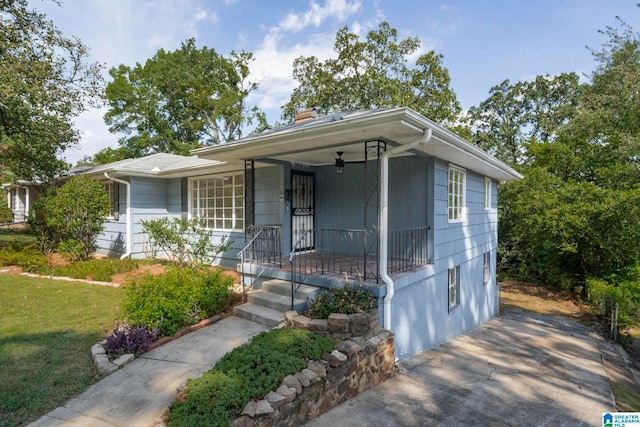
(382, 198)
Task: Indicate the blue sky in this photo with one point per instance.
(483, 42)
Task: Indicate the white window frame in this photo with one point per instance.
(453, 293)
(486, 267)
(487, 193)
(218, 200)
(456, 190)
(114, 209)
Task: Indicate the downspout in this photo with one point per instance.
(128, 216)
(384, 220)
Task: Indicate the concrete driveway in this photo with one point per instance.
(514, 370)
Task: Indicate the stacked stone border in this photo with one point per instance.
(338, 326)
(363, 359)
(106, 366)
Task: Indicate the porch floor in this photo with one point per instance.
(339, 267)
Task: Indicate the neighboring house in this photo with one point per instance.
(383, 198)
(20, 198)
(22, 194)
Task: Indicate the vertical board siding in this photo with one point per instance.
(408, 182)
(269, 195)
(340, 198)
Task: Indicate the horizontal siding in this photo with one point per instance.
(458, 242)
(420, 311)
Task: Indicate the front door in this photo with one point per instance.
(302, 211)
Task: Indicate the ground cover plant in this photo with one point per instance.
(346, 300)
(247, 372)
(102, 269)
(47, 328)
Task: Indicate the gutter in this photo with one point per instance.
(128, 216)
(384, 220)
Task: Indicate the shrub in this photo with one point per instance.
(6, 214)
(73, 213)
(346, 300)
(71, 250)
(178, 298)
(129, 339)
(186, 241)
(247, 372)
(623, 289)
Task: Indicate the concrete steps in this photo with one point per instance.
(268, 304)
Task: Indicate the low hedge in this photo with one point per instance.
(247, 372)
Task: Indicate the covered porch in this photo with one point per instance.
(331, 257)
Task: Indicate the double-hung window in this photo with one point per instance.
(454, 287)
(456, 194)
(112, 190)
(219, 201)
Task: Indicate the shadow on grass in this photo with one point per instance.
(41, 372)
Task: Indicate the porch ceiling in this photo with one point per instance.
(316, 142)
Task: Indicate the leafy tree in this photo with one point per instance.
(525, 111)
(109, 155)
(71, 217)
(575, 216)
(373, 74)
(179, 100)
(45, 81)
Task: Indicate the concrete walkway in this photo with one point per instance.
(137, 394)
(517, 371)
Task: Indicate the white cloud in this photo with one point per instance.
(273, 65)
(317, 14)
(94, 136)
(206, 15)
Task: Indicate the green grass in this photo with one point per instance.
(10, 235)
(627, 399)
(46, 331)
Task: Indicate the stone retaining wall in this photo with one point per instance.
(357, 364)
(338, 326)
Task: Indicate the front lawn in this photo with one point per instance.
(47, 328)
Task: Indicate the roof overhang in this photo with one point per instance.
(317, 141)
(158, 166)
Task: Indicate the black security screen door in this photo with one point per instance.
(302, 210)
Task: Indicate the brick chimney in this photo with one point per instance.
(306, 114)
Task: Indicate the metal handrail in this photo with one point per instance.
(275, 252)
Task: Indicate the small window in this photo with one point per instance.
(486, 268)
(487, 193)
(112, 190)
(456, 194)
(454, 287)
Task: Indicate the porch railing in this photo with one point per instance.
(264, 247)
(339, 251)
(408, 248)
